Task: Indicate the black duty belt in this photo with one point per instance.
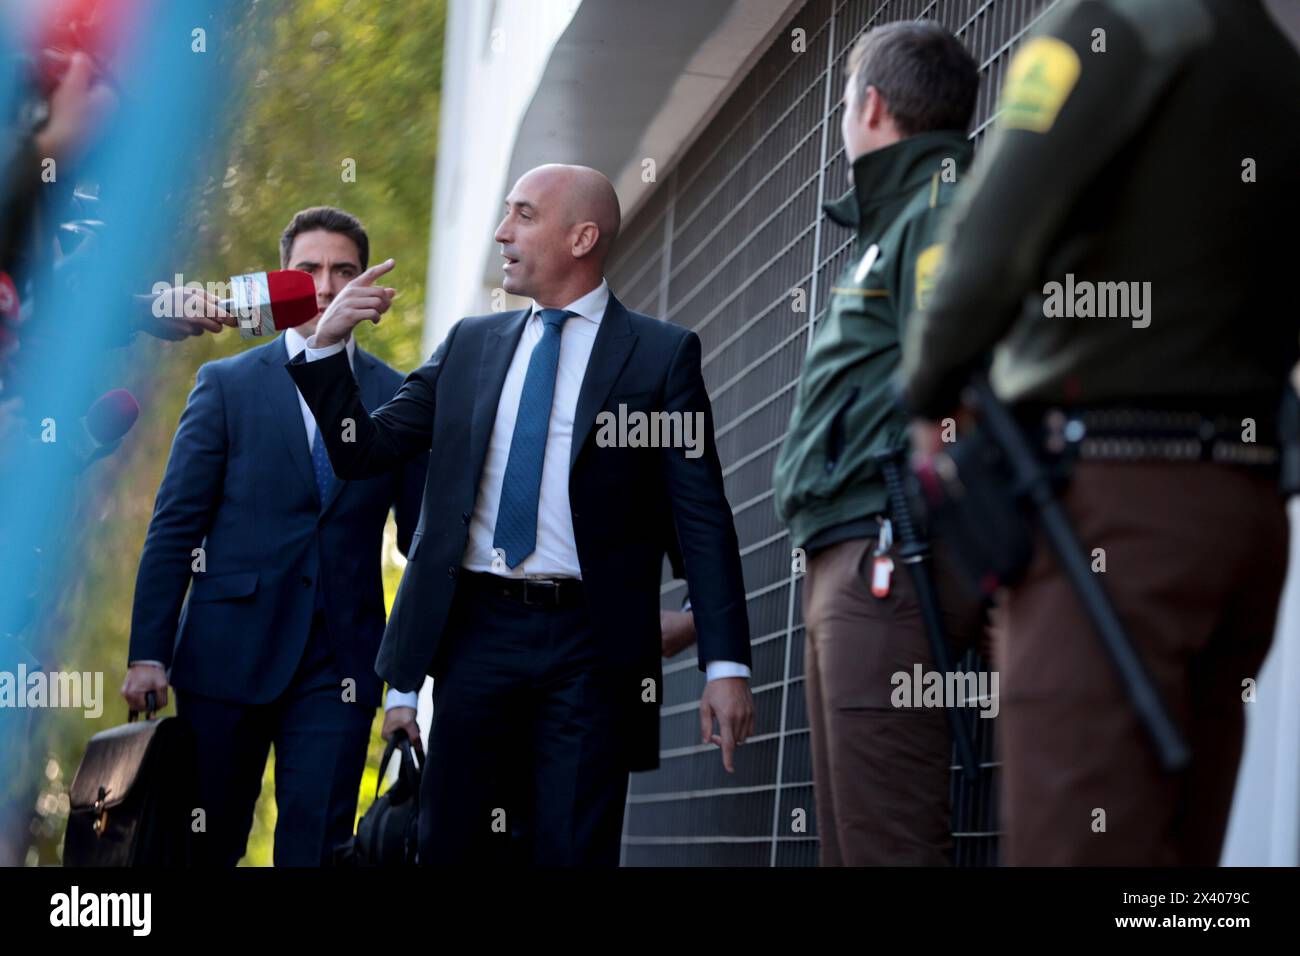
(535, 592)
(1136, 434)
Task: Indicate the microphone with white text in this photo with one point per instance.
(267, 302)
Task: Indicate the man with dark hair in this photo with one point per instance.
(329, 219)
(880, 772)
(276, 641)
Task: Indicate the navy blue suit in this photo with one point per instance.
(287, 606)
(567, 689)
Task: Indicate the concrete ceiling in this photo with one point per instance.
(630, 80)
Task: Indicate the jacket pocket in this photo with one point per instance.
(223, 587)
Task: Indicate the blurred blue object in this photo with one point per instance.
(115, 210)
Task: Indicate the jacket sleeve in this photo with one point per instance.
(1065, 113)
(706, 533)
(187, 499)
(369, 445)
(408, 493)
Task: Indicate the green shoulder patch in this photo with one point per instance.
(1041, 76)
(927, 268)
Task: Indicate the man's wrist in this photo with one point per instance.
(316, 352)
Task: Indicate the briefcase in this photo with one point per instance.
(133, 796)
(388, 832)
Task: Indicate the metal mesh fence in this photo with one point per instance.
(719, 247)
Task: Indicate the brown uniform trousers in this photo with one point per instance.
(1195, 557)
(880, 772)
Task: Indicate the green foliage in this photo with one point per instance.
(356, 81)
(351, 79)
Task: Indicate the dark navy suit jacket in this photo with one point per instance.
(239, 484)
(627, 504)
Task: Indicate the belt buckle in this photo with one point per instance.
(550, 588)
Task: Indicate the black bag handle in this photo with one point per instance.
(409, 770)
(150, 705)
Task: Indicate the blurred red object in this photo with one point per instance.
(10, 307)
(94, 27)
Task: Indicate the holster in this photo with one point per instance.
(974, 506)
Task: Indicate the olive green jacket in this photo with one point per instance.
(825, 481)
(1127, 235)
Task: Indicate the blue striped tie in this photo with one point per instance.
(516, 529)
(320, 465)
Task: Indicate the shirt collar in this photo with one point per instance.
(590, 306)
(295, 343)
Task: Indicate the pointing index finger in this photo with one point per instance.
(374, 272)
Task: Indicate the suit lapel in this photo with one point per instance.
(285, 409)
(614, 342)
(494, 362)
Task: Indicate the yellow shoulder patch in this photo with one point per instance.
(927, 268)
(1041, 76)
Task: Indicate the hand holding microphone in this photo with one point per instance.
(360, 300)
(261, 304)
(177, 312)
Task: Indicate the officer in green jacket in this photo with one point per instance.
(880, 770)
(1117, 247)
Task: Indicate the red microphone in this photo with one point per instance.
(102, 428)
(112, 415)
(266, 302)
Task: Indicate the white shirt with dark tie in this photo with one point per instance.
(556, 554)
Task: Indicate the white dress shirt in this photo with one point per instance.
(556, 553)
(295, 343)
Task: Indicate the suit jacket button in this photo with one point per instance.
(451, 571)
(306, 582)
(464, 517)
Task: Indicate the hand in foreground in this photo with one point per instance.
(729, 700)
(931, 437)
(677, 631)
(177, 313)
(360, 300)
(403, 718)
(78, 108)
(140, 679)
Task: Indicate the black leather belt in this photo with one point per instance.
(535, 592)
(1132, 434)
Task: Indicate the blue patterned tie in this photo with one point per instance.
(516, 530)
(320, 466)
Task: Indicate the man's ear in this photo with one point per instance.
(585, 237)
(874, 109)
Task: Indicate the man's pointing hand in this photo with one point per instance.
(360, 300)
